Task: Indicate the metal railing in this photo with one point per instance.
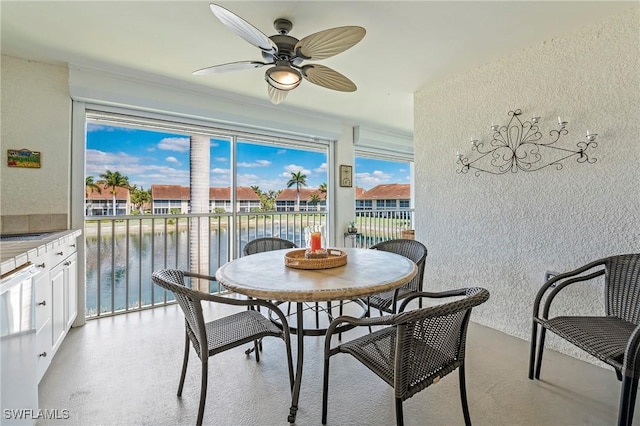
(123, 251)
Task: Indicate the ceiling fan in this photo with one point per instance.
(286, 54)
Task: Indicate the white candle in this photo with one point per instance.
(588, 133)
(559, 120)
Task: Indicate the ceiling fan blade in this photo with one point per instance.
(276, 95)
(244, 29)
(326, 77)
(324, 44)
(232, 66)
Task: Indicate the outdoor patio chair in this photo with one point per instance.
(415, 349)
(260, 245)
(412, 249)
(613, 338)
(218, 335)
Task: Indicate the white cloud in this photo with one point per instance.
(257, 163)
(221, 159)
(175, 144)
(220, 170)
(321, 169)
(368, 180)
(172, 160)
(293, 168)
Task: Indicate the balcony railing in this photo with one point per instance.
(123, 251)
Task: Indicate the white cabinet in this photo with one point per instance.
(71, 300)
(56, 279)
(56, 301)
(43, 320)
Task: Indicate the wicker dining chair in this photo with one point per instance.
(613, 338)
(260, 245)
(219, 335)
(411, 249)
(415, 349)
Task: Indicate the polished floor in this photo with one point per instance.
(124, 370)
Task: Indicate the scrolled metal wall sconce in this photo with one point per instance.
(516, 146)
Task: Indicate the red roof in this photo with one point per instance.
(243, 193)
(305, 194)
(106, 193)
(177, 192)
(169, 192)
(391, 191)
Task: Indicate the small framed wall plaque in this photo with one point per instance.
(23, 158)
(346, 176)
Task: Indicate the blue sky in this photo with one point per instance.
(149, 157)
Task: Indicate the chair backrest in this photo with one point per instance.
(622, 278)
(411, 249)
(190, 302)
(260, 245)
(430, 342)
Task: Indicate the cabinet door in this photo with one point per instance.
(57, 280)
(71, 286)
(42, 287)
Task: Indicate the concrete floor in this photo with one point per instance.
(124, 370)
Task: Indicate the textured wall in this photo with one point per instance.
(36, 114)
(503, 232)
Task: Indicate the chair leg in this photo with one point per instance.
(463, 396)
(368, 313)
(185, 361)
(203, 389)
(543, 332)
(399, 415)
(340, 334)
(325, 391)
(532, 354)
(256, 347)
(627, 401)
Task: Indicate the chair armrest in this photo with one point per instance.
(431, 295)
(631, 362)
(331, 330)
(237, 302)
(558, 283)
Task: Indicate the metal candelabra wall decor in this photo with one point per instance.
(518, 146)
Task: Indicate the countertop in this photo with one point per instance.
(16, 253)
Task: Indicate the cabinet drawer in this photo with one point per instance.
(43, 348)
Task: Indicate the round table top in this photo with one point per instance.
(265, 276)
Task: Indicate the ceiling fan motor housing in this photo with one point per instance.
(286, 45)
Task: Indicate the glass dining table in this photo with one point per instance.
(265, 276)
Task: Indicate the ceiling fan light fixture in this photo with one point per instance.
(283, 76)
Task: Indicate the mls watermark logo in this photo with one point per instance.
(31, 414)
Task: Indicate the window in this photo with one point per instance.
(382, 184)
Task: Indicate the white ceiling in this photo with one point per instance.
(408, 44)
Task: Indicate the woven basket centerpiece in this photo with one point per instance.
(299, 259)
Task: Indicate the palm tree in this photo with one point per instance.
(297, 179)
(114, 180)
(139, 197)
(314, 199)
(90, 186)
(322, 188)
